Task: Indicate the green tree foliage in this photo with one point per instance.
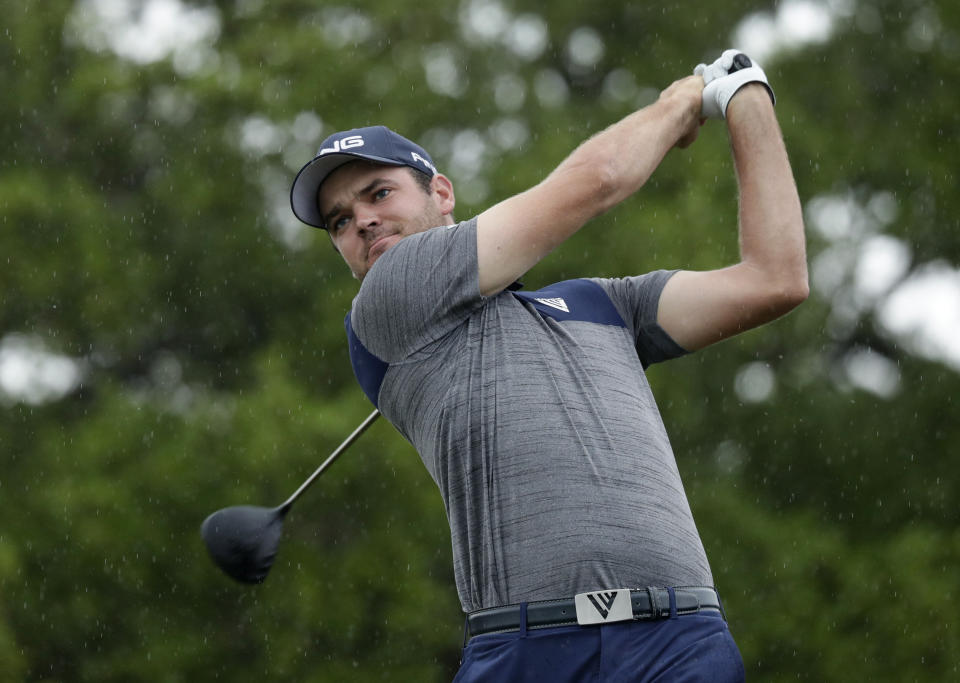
(145, 232)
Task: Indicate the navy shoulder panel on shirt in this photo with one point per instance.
(581, 300)
(368, 369)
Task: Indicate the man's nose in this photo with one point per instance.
(366, 217)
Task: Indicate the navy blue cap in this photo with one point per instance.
(378, 144)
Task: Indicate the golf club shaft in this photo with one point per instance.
(333, 456)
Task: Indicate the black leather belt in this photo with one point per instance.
(646, 603)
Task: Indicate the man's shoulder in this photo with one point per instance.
(418, 291)
(421, 247)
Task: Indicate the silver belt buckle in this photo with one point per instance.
(603, 607)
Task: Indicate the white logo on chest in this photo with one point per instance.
(556, 303)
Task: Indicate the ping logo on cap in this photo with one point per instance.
(348, 142)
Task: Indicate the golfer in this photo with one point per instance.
(576, 556)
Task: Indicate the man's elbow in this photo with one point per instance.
(790, 293)
(796, 296)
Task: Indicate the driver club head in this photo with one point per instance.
(243, 540)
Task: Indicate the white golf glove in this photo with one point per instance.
(724, 78)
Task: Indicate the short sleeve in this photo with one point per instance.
(637, 299)
(418, 291)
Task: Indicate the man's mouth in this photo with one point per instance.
(378, 247)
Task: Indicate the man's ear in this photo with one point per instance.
(442, 190)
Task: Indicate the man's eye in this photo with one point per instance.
(381, 193)
(340, 222)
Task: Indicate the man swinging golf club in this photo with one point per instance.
(575, 553)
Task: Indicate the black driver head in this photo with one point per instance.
(243, 540)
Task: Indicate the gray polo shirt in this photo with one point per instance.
(533, 415)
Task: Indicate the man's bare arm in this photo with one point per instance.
(700, 308)
(517, 233)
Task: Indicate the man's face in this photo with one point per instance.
(368, 208)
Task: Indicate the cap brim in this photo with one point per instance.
(303, 193)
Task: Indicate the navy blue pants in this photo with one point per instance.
(693, 647)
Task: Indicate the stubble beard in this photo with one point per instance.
(427, 219)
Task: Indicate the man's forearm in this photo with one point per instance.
(623, 156)
(771, 219)
(515, 234)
